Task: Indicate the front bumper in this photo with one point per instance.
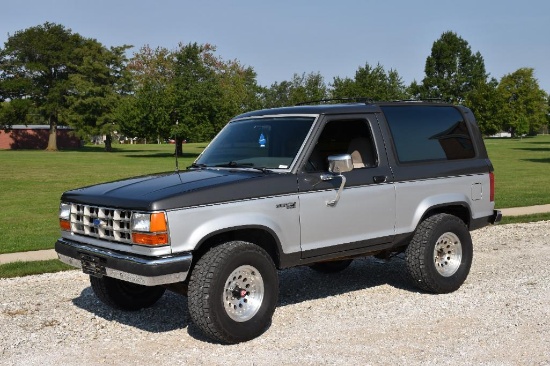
(147, 271)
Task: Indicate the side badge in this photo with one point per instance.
(288, 206)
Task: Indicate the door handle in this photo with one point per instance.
(379, 178)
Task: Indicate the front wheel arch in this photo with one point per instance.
(258, 235)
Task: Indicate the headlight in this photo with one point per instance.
(149, 228)
(64, 211)
(65, 216)
(141, 222)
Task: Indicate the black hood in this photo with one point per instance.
(183, 189)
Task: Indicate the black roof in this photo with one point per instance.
(341, 108)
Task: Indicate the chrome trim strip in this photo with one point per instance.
(147, 281)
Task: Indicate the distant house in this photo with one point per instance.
(36, 137)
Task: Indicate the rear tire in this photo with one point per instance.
(233, 291)
(124, 295)
(439, 256)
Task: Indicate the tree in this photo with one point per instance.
(371, 82)
(525, 105)
(149, 111)
(197, 92)
(188, 93)
(277, 95)
(308, 87)
(35, 65)
(486, 103)
(239, 89)
(98, 85)
(17, 110)
(300, 89)
(452, 70)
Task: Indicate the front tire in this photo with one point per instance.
(439, 256)
(233, 291)
(124, 295)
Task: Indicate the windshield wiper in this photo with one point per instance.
(234, 164)
(197, 166)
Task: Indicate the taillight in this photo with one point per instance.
(492, 186)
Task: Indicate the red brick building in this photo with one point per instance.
(36, 137)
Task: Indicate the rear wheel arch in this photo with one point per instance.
(458, 209)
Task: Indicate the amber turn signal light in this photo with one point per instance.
(65, 225)
(150, 239)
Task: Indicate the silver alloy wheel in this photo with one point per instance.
(243, 293)
(447, 254)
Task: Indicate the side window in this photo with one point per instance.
(422, 133)
(343, 137)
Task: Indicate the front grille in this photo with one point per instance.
(102, 223)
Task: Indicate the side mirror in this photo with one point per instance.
(338, 164)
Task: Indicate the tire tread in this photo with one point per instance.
(203, 278)
(415, 254)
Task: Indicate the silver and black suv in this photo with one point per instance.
(314, 185)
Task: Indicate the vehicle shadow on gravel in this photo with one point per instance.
(303, 283)
(297, 285)
(168, 314)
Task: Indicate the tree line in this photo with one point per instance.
(48, 74)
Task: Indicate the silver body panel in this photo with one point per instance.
(188, 227)
(362, 213)
(415, 198)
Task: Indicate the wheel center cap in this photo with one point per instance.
(239, 293)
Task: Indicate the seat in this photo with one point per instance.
(360, 149)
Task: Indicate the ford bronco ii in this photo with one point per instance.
(315, 185)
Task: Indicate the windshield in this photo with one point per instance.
(270, 143)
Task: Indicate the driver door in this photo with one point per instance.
(365, 213)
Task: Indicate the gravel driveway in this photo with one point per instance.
(367, 314)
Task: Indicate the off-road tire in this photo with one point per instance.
(220, 302)
(124, 295)
(332, 266)
(439, 256)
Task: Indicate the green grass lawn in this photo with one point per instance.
(31, 182)
(522, 170)
(20, 269)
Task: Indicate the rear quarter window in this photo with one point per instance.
(424, 133)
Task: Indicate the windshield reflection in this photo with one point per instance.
(262, 143)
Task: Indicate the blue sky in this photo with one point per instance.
(280, 38)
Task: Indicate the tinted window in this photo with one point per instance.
(429, 133)
(343, 137)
